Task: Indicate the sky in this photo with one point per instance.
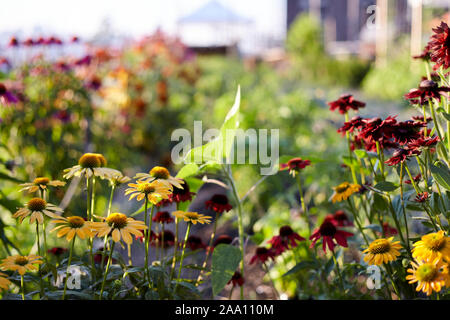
(130, 17)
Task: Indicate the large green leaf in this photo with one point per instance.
(441, 175)
(385, 186)
(225, 260)
(220, 147)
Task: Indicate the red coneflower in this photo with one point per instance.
(13, 42)
(262, 254)
(218, 203)
(440, 46)
(94, 83)
(342, 219)
(345, 103)
(400, 155)
(376, 129)
(85, 61)
(6, 97)
(163, 217)
(423, 142)
(416, 179)
(388, 230)
(355, 123)
(287, 237)
(237, 279)
(407, 131)
(428, 89)
(328, 231)
(422, 197)
(421, 119)
(165, 239)
(57, 251)
(195, 243)
(178, 195)
(295, 165)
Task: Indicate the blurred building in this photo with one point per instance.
(347, 23)
(213, 28)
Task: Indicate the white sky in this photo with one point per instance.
(131, 17)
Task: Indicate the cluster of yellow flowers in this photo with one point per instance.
(432, 258)
(154, 186)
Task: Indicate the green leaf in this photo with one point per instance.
(188, 170)
(446, 115)
(225, 260)
(361, 153)
(385, 186)
(300, 266)
(441, 175)
(220, 147)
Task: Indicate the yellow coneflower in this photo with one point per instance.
(432, 246)
(430, 276)
(40, 183)
(344, 191)
(154, 191)
(118, 179)
(72, 226)
(21, 264)
(91, 164)
(160, 174)
(119, 226)
(4, 282)
(382, 251)
(192, 217)
(36, 208)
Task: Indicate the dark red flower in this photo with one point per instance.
(57, 251)
(355, 123)
(6, 97)
(422, 197)
(345, 103)
(153, 236)
(423, 142)
(376, 129)
(237, 279)
(94, 83)
(195, 243)
(219, 203)
(74, 39)
(262, 254)
(421, 119)
(388, 230)
(178, 195)
(86, 60)
(225, 239)
(400, 155)
(13, 42)
(416, 179)
(165, 239)
(98, 257)
(295, 165)
(342, 219)
(407, 131)
(329, 232)
(163, 217)
(440, 46)
(428, 89)
(286, 240)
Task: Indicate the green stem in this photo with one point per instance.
(303, 204)
(350, 153)
(391, 276)
(402, 200)
(208, 251)
(107, 269)
(22, 287)
(358, 224)
(175, 250)
(147, 235)
(241, 228)
(182, 254)
(39, 253)
(68, 267)
(380, 159)
(338, 270)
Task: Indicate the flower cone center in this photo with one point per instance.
(37, 204)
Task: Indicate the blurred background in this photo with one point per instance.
(118, 77)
